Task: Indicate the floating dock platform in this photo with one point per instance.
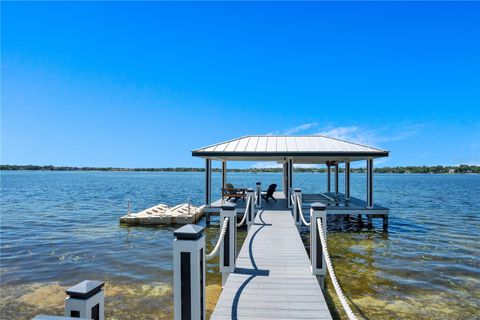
(162, 214)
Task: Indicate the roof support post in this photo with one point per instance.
(290, 182)
(208, 181)
(369, 183)
(336, 178)
(224, 173)
(328, 176)
(347, 180)
(284, 180)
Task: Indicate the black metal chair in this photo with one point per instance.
(270, 192)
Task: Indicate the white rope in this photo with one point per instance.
(219, 241)
(245, 214)
(300, 212)
(333, 277)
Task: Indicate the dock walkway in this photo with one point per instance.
(272, 279)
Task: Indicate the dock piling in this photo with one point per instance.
(251, 208)
(228, 249)
(385, 222)
(317, 258)
(189, 272)
(298, 202)
(86, 300)
(258, 190)
(369, 221)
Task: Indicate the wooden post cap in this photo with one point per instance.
(189, 232)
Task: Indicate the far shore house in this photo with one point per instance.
(290, 150)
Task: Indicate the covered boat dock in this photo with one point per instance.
(291, 150)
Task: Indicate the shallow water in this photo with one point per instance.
(58, 228)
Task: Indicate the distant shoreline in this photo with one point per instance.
(404, 170)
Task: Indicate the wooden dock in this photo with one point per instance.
(272, 279)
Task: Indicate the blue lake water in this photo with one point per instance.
(58, 228)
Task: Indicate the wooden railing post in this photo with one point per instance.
(86, 300)
(189, 273)
(229, 247)
(317, 258)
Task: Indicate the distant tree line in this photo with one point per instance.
(408, 169)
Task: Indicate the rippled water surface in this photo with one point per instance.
(58, 228)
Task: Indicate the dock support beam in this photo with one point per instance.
(189, 273)
(258, 190)
(347, 180)
(298, 201)
(317, 258)
(251, 208)
(370, 183)
(290, 182)
(224, 174)
(229, 247)
(336, 178)
(208, 181)
(328, 177)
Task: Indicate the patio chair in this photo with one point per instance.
(230, 192)
(269, 193)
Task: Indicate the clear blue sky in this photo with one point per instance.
(142, 84)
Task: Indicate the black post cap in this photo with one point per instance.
(85, 289)
(229, 206)
(318, 206)
(297, 190)
(189, 232)
(258, 183)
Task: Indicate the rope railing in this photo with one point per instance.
(249, 199)
(219, 241)
(333, 277)
(300, 212)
